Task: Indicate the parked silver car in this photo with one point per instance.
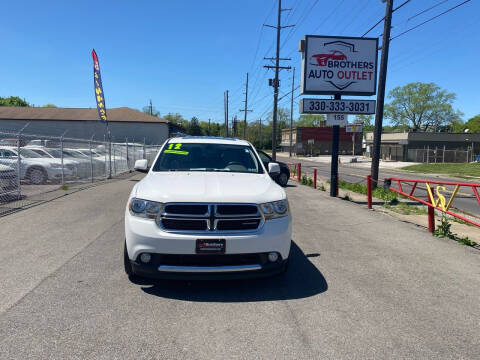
(33, 167)
(8, 180)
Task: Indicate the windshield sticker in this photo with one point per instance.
(175, 149)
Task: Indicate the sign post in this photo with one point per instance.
(354, 128)
(311, 142)
(335, 65)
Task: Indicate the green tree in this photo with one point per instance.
(421, 107)
(13, 101)
(473, 124)
(366, 121)
(49, 106)
(151, 110)
(194, 128)
(308, 120)
(174, 118)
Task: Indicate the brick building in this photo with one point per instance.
(318, 141)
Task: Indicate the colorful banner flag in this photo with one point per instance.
(99, 96)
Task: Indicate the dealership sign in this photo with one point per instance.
(339, 65)
(337, 119)
(343, 106)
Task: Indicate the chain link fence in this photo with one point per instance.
(441, 155)
(32, 165)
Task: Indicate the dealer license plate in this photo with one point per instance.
(210, 246)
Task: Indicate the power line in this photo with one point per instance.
(383, 18)
(297, 25)
(424, 11)
(432, 18)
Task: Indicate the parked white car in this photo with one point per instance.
(48, 153)
(33, 167)
(207, 209)
(87, 162)
(8, 180)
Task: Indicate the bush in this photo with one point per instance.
(443, 230)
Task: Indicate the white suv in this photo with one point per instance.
(207, 209)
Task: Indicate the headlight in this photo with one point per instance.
(275, 209)
(144, 208)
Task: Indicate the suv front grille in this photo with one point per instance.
(178, 217)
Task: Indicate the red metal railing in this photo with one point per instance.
(436, 199)
(295, 171)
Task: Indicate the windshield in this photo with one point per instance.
(74, 154)
(26, 153)
(40, 152)
(208, 157)
(55, 153)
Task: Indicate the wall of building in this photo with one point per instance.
(154, 133)
(322, 137)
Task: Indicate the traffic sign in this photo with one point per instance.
(344, 106)
(353, 128)
(337, 119)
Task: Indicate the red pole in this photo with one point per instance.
(299, 174)
(431, 219)
(369, 191)
(314, 178)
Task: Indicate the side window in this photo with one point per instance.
(7, 153)
(264, 158)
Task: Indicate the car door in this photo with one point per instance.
(8, 157)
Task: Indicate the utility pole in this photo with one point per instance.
(260, 142)
(276, 82)
(151, 107)
(234, 126)
(334, 165)
(245, 110)
(377, 134)
(291, 113)
(209, 132)
(225, 103)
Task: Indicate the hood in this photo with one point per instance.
(208, 187)
(40, 161)
(6, 168)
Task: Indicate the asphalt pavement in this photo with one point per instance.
(361, 285)
(465, 200)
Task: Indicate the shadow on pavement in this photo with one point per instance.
(302, 280)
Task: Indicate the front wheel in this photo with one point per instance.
(282, 179)
(37, 176)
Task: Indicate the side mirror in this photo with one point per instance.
(141, 165)
(273, 168)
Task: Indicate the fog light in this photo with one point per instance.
(272, 257)
(145, 258)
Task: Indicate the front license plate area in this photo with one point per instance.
(210, 246)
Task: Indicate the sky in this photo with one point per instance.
(183, 55)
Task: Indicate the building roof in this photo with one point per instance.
(121, 114)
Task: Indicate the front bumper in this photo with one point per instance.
(174, 254)
(219, 268)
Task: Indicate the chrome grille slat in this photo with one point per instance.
(249, 218)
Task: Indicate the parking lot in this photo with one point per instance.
(360, 285)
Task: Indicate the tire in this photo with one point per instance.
(282, 179)
(37, 176)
